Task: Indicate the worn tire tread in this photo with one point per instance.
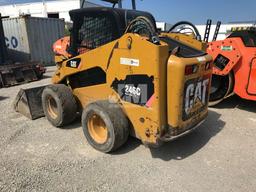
(118, 119)
(67, 101)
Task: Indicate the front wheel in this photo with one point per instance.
(105, 126)
(59, 105)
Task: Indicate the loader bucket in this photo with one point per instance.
(28, 102)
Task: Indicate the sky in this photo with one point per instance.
(195, 11)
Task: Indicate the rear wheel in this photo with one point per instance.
(59, 105)
(221, 87)
(105, 126)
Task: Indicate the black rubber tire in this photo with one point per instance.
(66, 104)
(226, 84)
(116, 122)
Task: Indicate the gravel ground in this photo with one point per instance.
(219, 156)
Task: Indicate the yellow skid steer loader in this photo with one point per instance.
(125, 79)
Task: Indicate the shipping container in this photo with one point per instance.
(3, 51)
(31, 38)
(163, 26)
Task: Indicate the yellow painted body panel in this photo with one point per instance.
(176, 68)
(148, 123)
(153, 61)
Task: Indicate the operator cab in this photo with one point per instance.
(94, 27)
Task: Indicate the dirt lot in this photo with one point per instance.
(219, 156)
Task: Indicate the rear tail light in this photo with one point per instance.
(191, 69)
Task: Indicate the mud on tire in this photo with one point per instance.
(59, 105)
(102, 115)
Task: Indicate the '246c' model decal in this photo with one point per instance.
(136, 89)
(195, 97)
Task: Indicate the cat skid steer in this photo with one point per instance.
(125, 79)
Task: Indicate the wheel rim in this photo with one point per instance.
(215, 85)
(52, 107)
(97, 129)
(221, 87)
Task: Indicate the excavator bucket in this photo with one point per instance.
(28, 102)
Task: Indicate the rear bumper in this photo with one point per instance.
(175, 133)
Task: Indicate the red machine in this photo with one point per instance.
(234, 69)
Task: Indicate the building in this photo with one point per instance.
(42, 8)
(163, 26)
(61, 8)
(52, 9)
(224, 29)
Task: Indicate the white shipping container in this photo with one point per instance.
(31, 38)
(163, 26)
